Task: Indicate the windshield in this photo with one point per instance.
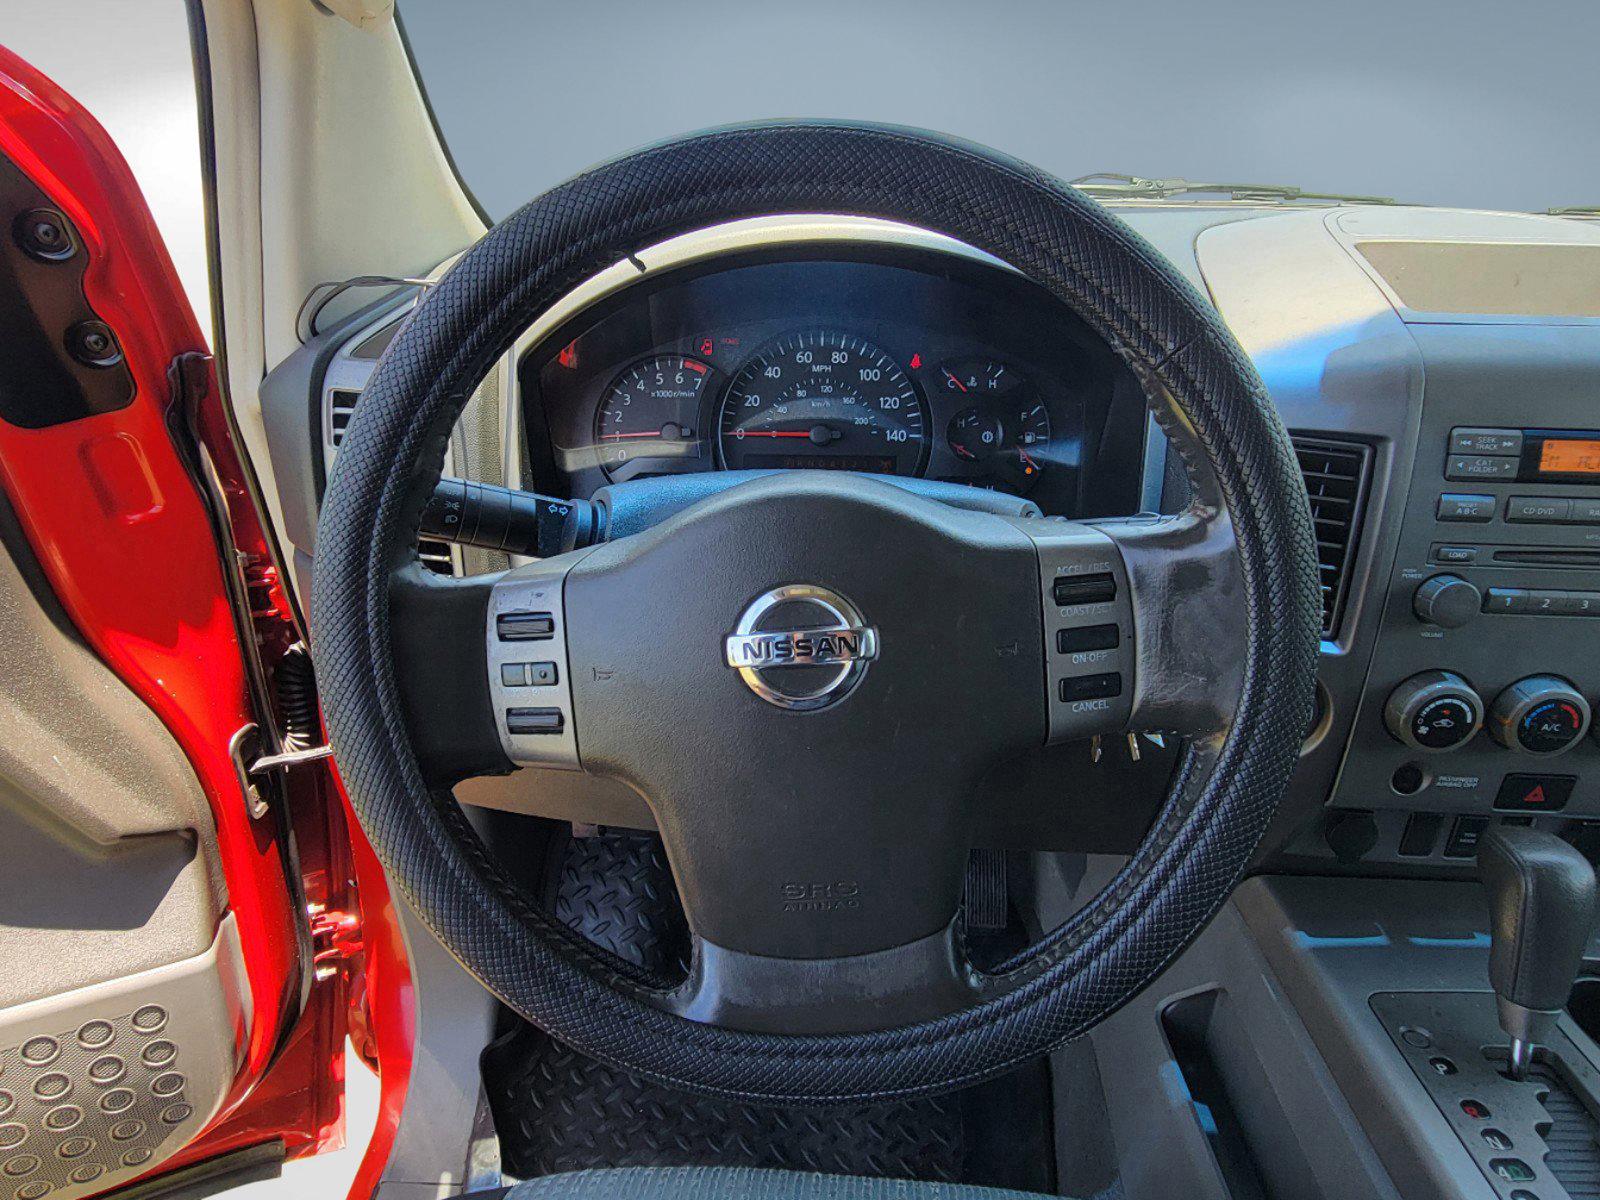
(1427, 101)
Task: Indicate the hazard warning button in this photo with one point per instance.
(1534, 793)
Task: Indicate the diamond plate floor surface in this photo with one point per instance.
(557, 1110)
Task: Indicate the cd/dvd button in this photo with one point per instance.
(1538, 510)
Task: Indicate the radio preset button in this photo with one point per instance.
(1543, 602)
(1473, 440)
(1506, 600)
(1458, 506)
(1480, 466)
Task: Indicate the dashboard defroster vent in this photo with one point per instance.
(1336, 482)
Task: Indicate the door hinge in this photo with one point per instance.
(335, 938)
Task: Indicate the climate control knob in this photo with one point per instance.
(1542, 714)
(1434, 711)
(1447, 601)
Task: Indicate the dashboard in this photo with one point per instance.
(1436, 370)
(899, 361)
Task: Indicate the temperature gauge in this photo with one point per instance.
(1006, 428)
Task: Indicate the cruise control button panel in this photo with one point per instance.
(1088, 629)
(528, 672)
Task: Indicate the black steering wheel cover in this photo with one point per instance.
(1201, 384)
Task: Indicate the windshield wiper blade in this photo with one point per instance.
(1114, 184)
(1575, 210)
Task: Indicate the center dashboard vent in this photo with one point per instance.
(1335, 474)
(340, 404)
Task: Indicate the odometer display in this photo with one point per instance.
(824, 400)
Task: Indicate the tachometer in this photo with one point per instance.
(824, 400)
(650, 411)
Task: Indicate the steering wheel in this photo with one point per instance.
(806, 674)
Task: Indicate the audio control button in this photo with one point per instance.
(1579, 604)
(1506, 600)
(1447, 601)
(1473, 440)
(1480, 466)
(1538, 510)
(1459, 506)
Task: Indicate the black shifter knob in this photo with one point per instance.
(1541, 910)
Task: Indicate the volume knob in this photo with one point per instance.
(1542, 714)
(1434, 711)
(1447, 601)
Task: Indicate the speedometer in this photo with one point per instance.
(823, 400)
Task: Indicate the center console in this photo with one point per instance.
(1486, 670)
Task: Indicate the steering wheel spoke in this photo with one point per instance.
(529, 671)
(1189, 611)
(918, 981)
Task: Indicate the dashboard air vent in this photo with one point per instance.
(1336, 482)
(437, 556)
(341, 406)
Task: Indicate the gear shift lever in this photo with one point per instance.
(1541, 910)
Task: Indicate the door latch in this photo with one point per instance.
(249, 764)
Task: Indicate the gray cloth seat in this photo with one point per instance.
(742, 1183)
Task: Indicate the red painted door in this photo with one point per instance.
(184, 958)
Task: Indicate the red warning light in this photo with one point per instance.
(568, 357)
(916, 362)
(707, 347)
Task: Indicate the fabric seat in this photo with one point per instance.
(741, 1183)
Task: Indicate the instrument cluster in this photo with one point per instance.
(893, 361)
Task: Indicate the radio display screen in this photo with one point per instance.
(1569, 456)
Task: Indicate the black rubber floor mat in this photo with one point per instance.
(558, 1110)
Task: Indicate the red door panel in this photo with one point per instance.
(134, 552)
